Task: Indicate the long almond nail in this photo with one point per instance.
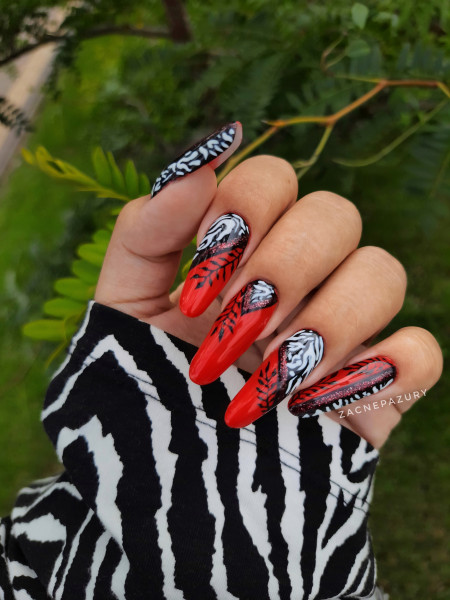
(215, 261)
(276, 378)
(234, 331)
(347, 385)
(213, 150)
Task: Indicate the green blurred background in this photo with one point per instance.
(146, 98)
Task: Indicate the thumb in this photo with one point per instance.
(144, 253)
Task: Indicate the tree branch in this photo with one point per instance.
(180, 29)
(91, 33)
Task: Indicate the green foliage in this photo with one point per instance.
(260, 70)
(360, 12)
(68, 308)
(150, 98)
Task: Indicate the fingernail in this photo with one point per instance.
(214, 148)
(234, 331)
(277, 377)
(347, 385)
(215, 261)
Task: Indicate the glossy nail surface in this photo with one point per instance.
(213, 149)
(276, 378)
(234, 331)
(215, 261)
(347, 385)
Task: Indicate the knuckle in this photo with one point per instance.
(425, 352)
(282, 170)
(264, 176)
(385, 262)
(341, 207)
(131, 213)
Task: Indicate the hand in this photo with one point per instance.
(277, 287)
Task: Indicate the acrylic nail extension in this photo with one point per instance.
(347, 385)
(213, 150)
(277, 377)
(215, 261)
(234, 331)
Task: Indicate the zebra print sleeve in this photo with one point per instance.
(160, 499)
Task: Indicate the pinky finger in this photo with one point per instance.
(395, 373)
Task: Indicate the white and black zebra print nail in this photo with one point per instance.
(217, 258)
(213, 149)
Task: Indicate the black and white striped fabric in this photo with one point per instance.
(161, 500)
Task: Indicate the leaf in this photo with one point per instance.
(357, 48)
(117, 177)
(144, 185)
(101, 166)
(92, 253)
(185, 269)
(360, 12)
(102, 238)
(74, 288)
(27, 156)
(63, 307)
(131, 180)
(86, 271)
(51, 330)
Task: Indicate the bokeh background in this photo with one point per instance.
(143, 80)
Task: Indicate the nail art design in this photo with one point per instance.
(277, 377)
(222, 142)
(345, 386)
(216, 259)
(234, 330)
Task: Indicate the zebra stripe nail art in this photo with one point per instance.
(216, 259)
(345, 386)
(278, 376)
(215, 148)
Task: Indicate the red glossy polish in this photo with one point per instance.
(234, 331)
(277, 377)
(345, 386)
(215, 261)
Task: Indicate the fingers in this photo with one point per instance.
(302, 248)
(247, 203)
(409, 363)
(146, 245)
(359, 298)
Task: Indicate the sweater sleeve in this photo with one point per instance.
(160, 499)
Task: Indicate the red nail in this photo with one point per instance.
(277, 377)
(347, 385)
(234, 331)
(215, 261)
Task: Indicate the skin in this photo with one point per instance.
(307, 249)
